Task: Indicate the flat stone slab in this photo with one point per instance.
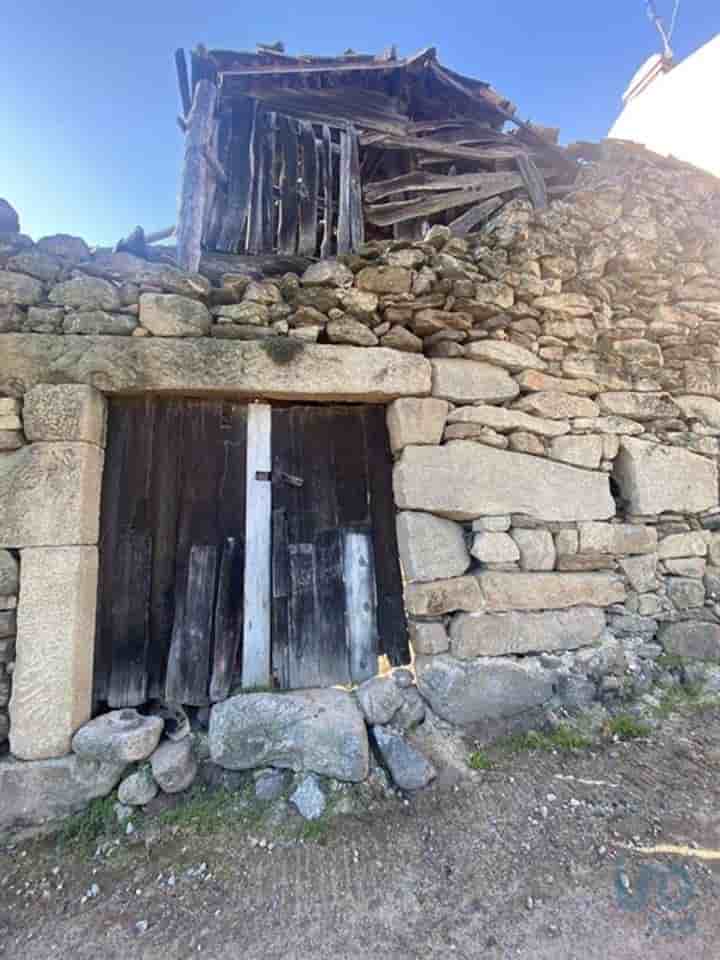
(502, 634)
(32, 793)
(281, 369)
(654, 478)
(430, 548)
(463, 480)
(433, 598)
(695, 639)
(471, 381)
(549, 591)
(471, 692)
(50, 494)
(322, 731)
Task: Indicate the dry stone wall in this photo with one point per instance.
(554, 413)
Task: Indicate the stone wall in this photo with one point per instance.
(556, 433)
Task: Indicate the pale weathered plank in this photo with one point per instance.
(344, 236)
(193, 188)
(327, 169)
(421, 181)
(385, 214)
(474, 216)
(258, 529)
(360, 603)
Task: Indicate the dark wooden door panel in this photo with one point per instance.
(171, 548)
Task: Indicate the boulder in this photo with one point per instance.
(641, 572)
(66, 411)
(86, 293)
(19, 288)
(638, 406)
(308, 798)
(412, 420)
(629, 538)
(698, 640)
(503, 634)
(468, 381)
(348, 330)
(262, 291)
(360, 304)
(170, 315)
(578, 451)
(398, 338)
(504, 420)
(50, 495)
(536, 547)
(138, 789)
(278, 370)
(691, 544)
(428, 639)
(705, 409)
(431, 599)
(533, 380)
(685, 592)
(9, 220)
(430, 321)
(380, 698)
(654, 478)
(174, 765)
(494, 548)
(555, 405)
(120, 736)
(40, 265)
(250, 313)
(327, 273)
(502, 353)
(124, 266)
(33, 793)
(408, 767)
(64, 245)
(384, 279)
(549, 591)
(88, 322)
(472, 692)
(316, 730)
(430, 548)
(463, 480)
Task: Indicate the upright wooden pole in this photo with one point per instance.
(258, 530)
(193, 187)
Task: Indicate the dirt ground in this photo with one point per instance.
(537, 857)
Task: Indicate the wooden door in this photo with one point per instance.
(337, 591)
(170, 602)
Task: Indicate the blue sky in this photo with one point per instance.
(90, 145)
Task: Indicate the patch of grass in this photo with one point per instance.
(205, 811)
(562, 738)
(479, 760)
(679, 696)
(282, 350)
(84, 830)
(315, 831)
(670, 661)
(626, 727)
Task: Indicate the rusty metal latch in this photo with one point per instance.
(279, 476)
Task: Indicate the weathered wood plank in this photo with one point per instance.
(344, 236)
(357, 223)
(422, 182)
(467, 221)
(129, 678)
(506, 151)
(309, 196)
(288, 217)
(329, 634)
(193, 188)
(280, 598)
(385, 214)
(533, 180)
(359, 577)
(183, 81)
(327, 170)
(254, 235)
(303, 668)
(392, 625)
(232, 232)
(188, 670)
(258, 530)
(228, 619)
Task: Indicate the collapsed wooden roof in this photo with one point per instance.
(313, 154)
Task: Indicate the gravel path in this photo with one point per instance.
(535, 858)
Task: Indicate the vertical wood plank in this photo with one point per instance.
(359, 575)
(131, 612)
(303, 667)
(194, 179)
(228, 619)
(288, 218)
(344, 237)
(310, 182)
(327, 168)
(329, 639)
(357, 223)
(280, 598)
(258, 523)
(392, 625)
(269, 216)
(188, 670)
(254, 236)
(232, 233)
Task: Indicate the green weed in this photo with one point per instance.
(626, 727)
(479, 760)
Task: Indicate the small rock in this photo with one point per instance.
(269, 784)
(380, 699)
(137, 789)
(308, 798)
(121, 736)
(174, 765)
(408, 767)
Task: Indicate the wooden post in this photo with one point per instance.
(258, 527)
(193, 189)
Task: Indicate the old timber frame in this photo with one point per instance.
(310, 156)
